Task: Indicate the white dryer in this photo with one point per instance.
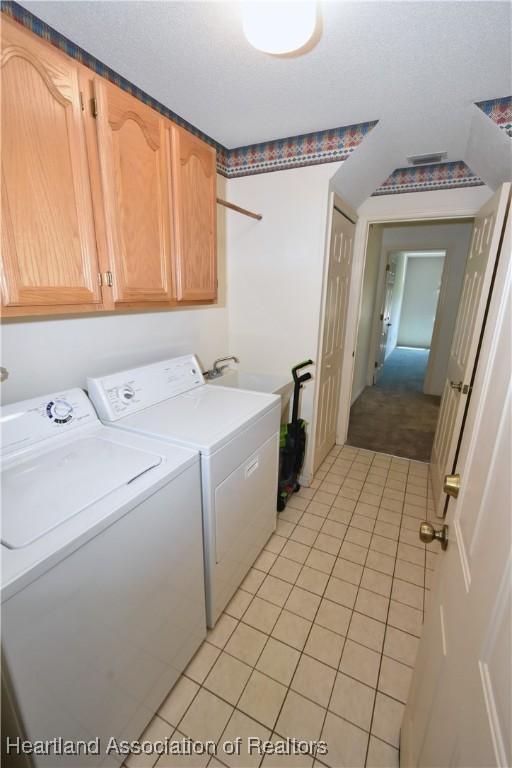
(237, 434)
(102, 573)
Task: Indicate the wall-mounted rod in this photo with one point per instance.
(237, 208)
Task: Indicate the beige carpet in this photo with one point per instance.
(395, 416)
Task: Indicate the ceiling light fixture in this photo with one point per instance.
(278, 27)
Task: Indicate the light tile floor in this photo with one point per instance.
(320, 640)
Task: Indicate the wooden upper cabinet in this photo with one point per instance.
(49, 259)
(194, 208)
(134, 163)
(113, 212)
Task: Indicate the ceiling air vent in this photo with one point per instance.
(436, 157)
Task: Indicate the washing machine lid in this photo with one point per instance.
(204, 418)
(41, 492)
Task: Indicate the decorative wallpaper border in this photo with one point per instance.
(500, 112)
(436, 176)
(297, 151)
(328, 146)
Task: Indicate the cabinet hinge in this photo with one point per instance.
(108, 279)
(388, 267)
(82, 101)
(376, 364)
(466, 389)
(382, 317)
(94, 107)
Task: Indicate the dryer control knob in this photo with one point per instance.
(126, 393)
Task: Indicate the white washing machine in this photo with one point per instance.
(237, 434)
(102, 573)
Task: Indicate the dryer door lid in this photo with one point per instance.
(42, 492)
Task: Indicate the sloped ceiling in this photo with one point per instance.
(417, 67)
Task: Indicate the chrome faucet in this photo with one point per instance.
(217, 369)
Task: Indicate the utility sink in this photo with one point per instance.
(259, 382)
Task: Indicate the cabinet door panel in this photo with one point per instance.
(48, 239)
(134, 162)
(194, 206)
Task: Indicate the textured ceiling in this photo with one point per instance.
(416, 66)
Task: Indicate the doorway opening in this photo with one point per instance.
(411, 291)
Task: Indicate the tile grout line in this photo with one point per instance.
(380, 661)
(272, 730)
(311, 547)
(307, 638)
(327, 710)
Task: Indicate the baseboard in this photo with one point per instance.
(358, 394)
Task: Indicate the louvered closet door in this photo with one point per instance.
(48, 239)
(135, 173)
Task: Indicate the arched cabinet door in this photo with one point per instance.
(49, 257)
(194, 207)
(134, 165)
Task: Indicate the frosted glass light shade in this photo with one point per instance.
(278, 27)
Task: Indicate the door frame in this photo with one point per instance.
(379, 298)
(356, 284)
(335, 201)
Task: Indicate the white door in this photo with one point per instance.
(333, 336)
(459, 708)
(487, 231)
(385, 315)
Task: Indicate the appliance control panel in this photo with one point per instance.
(30, 421)
(128, 392)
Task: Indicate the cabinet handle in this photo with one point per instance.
(108, 278)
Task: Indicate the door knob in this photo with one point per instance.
(451, 485)
(428, 533)
(456, 386)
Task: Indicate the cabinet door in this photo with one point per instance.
(48, 240)
(134, 166)
(194, 207)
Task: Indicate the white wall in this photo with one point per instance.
(416, 205)
(275, 269)
(396, 303)
(46, 355)
(446, 317)
(420, 297)
(366, 316)
(43, 355)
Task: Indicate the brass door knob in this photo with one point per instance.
(428, 533)
(451, 485)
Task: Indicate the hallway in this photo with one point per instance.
(394, 416)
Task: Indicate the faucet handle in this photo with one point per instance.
(225, 360)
